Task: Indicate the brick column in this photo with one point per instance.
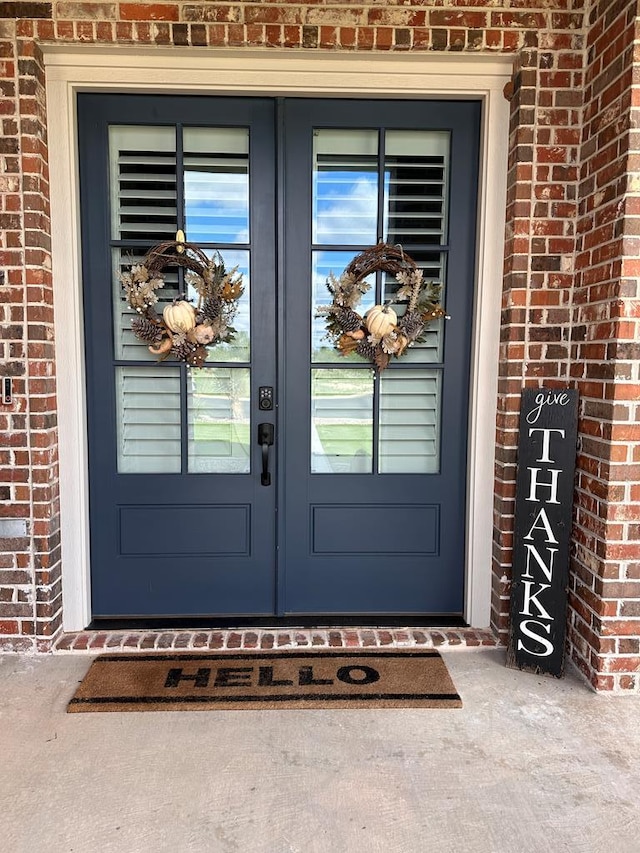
(539, 261)
(30, 594)
(605, 583)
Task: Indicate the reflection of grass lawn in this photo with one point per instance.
(342, 383)
(345, 439)
(231, 433)
(336, 439)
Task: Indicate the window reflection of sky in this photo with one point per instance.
(216, 207)
(345, 212)
(216, 210)
(324, 263)
(345, 207)
(238, 349)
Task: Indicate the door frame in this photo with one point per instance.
(72, 69)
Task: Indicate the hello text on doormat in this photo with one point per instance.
(163, 682)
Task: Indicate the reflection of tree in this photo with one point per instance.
(237, 350)
(226, 382)
(343, 383)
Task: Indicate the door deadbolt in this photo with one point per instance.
(265, 398)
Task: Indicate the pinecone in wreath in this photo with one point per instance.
(348, 320)
(211, 308)
(182, 348)
(145, 330)
(367, 350)
(411, 324)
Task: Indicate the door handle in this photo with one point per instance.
(265, 440)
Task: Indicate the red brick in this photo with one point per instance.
(149, 12)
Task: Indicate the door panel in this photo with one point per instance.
(365, 514)
(179, 523)
(374, 492)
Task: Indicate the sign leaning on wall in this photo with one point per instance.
(542, 534)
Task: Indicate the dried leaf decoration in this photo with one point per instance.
(218, 293)
(347, 329)
(231, 291)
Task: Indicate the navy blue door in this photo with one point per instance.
(375, 467)
(366, 508)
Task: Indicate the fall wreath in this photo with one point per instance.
(380, 334)
(183, 330)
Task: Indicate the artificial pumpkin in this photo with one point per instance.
(180, 317)
(380, 320)
(163, 348)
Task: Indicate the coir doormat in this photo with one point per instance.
(318, 679)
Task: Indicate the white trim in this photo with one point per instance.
(71, 69)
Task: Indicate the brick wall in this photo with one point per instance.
(30, 593)
(569, 282)
(605, 589)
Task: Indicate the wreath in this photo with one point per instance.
(183, 331)
(380, 334)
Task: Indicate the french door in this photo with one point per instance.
(362, 513)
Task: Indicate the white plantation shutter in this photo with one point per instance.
(416, 167)
(148, 420)
(409, 422)
(143, 183)
(127, 346)
(416, 186)
(143, 207)
(144, 212)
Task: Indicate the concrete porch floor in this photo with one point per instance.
(529, 764)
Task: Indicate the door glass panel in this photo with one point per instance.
(239, 348)
(345, 186)
(216, 184)
(415, 213)
(409, 438)
(327, 263)
(433, 266)
(415, 170)
(127, 346)
(142, 164)
(416, 216)
(148, 420)
(341, 421)
(218, 420)
(216, 207)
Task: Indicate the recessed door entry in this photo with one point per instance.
(280, 479)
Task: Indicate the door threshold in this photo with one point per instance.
(323, 622)
(95, 640)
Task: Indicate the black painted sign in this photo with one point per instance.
(542, 533)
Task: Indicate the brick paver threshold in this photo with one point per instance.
(291, 638)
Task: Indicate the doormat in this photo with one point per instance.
(322, 679)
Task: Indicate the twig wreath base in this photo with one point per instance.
(183, 331)
(380, 334)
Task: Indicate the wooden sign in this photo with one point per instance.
(542, 534)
